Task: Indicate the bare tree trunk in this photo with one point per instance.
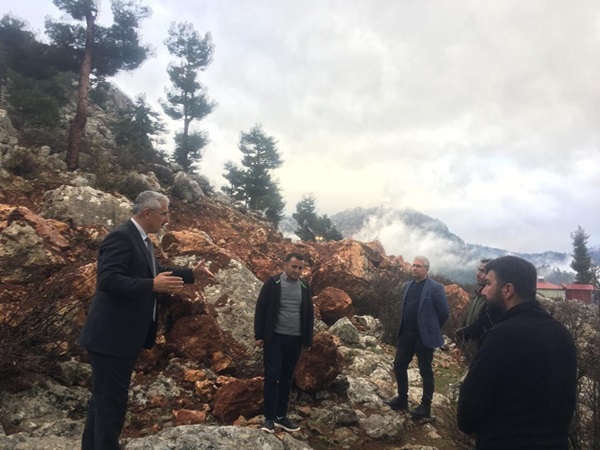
(78, 123)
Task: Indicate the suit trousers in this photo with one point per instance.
(281, 355)
(409, 344)
(111, 376)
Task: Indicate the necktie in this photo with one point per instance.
(150, 249)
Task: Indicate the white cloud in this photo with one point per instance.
(482, 114)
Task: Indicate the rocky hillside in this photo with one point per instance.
(201, 384)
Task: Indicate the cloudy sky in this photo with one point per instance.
(483, 114)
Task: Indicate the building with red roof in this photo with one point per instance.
(550, 290)
(582, 292)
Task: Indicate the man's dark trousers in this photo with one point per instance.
(106, 411)
(409, 344)
(281, 355)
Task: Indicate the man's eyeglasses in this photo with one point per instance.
(418, 266)
(162, 213)
(296, 267)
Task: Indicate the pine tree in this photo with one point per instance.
(306, 217)
(102, 51)
(253, 183)
(137, 130)
(30, 76)
(582, 261)
(311, 226)
(187, 98)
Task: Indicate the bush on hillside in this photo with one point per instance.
(37, 331)
(22, 163)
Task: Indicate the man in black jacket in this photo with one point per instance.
(122, 316)
(283, 324)
(520, 391)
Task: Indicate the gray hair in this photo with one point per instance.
(150, 200)
(424, 260)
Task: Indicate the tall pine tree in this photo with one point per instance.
(101, 51)
(187, 99)
(582, 261)
(136, 132)
(253, 183)
(311, 226)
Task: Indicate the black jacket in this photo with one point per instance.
(520, 391)
(120, 322)
(267, 309)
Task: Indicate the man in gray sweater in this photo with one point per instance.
(283, 324)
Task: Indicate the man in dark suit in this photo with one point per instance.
(122, 316)
(424, 309)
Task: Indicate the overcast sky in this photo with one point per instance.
(483, 114)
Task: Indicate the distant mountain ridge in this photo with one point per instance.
(407, 232)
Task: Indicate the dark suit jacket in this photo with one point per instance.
(432, 313)
(120, 321)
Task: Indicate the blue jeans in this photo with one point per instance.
(281, 355)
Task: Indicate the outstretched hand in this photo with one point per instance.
(166, 282)
(201, 270)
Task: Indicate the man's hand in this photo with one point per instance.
(258, 342)
(166, 283)
(201, 270)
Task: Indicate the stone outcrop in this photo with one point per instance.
(85, 206)
(233, 299)
(186, 188)
(31, 245)
(199, 436)
(346, 331)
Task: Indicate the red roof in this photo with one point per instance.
(546, 285)
(579, 287)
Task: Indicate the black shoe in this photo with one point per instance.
(286, 424)
(268, 426)
(396, 404)
(421, 412)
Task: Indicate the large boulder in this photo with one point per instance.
(333, 304)
(319, 365)
(239, 398)
(135, 183)
(234, 301)
(346, 331)
(83, 205)
(458, 300)
(187, 189)
(196, 338)
(23, 254)
(361, 270)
